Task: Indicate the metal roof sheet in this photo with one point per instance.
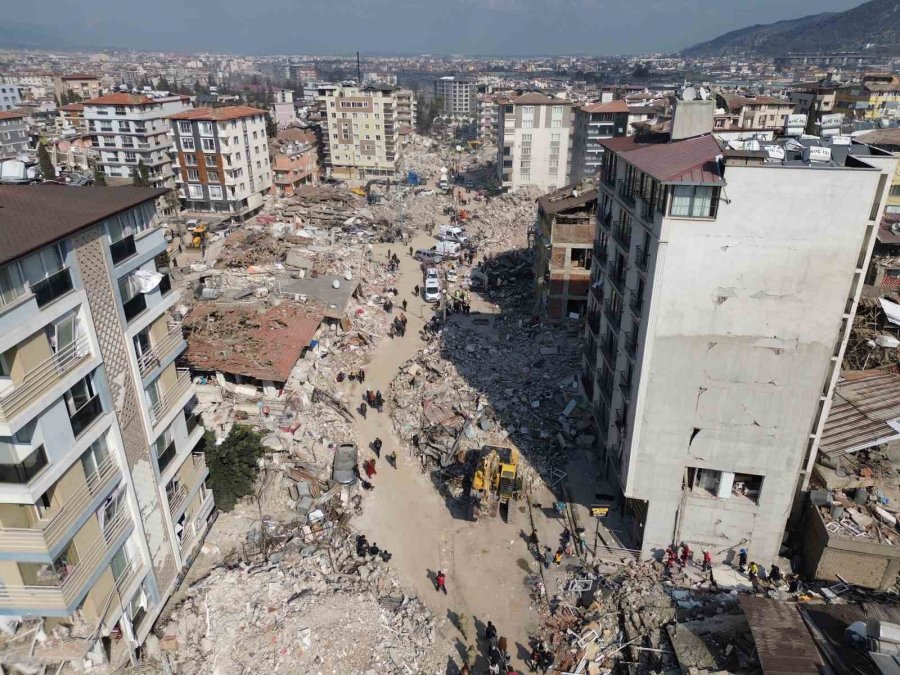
(861, 412)
(783, 643)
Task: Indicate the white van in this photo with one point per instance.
(450, 230)
(447, 249)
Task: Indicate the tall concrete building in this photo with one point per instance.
(533, 142)
(222, 159)
(723, 288)
(360, 134)
(407, 108)
(459, 96)
(132, 128)
(10, 96)
(102, 498)
(13, 134)
(595, 122)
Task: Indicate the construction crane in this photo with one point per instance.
(495, 483)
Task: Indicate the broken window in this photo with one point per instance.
(581, 257)
(723, 484)
(748, 486)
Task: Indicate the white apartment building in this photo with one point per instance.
(222, 159)
(10, 96)
(132, 128)
(533, 142)
(723, 289)
(103, 499)
(459, 96)
(407, 108)
(360, 135)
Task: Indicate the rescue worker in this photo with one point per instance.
(440, 582)
(707, 561)
(753, 571)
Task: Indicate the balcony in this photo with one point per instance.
(646, 210)
(49, 532)
(613, 315)
(605, 386)
(608, 349)
(631, 344)
(600, 251)
(642, 258)
(40, 379)
(637, 305)
(608, 176)
(122, 249)
(85, 415)
(171, 397)
(57, 596)
(617, 276)
(53, 287)
(158, 352)
(593, 321)
(626, 194)
(622, 234)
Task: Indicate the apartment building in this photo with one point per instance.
(283, 111)
(71, 119)
(82, 84)
(563, 242)
(533, 142)
(295, 156)
(814, 99)
(756, 112)
(459, 96)
(593, 123)
(222, 159)
(13, 134)
(103, 498)
(724, 285)
(36, 85)
(132, 128)
(876, 97)
(407, 108)
(361, 132)
(10, 96)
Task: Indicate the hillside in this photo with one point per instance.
(874, 25)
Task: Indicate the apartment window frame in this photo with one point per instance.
(195, 191)
(187, 143)
(208, 145)
(694, 201)
(216, 193)
(22, 473)
(206, 128)
(185, 128)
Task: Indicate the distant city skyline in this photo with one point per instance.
(464, 27)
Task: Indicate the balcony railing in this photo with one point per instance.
(646, 210)
(617, 276)
(608, 176)
(622, 234)
(613, 315)
(600, 251)
(50, 531)
(158, 352)
(605, 387)
(122, 249)
(43, 377)
(631, 344)
(85, 415)
(608, 349)
(177, 500)
(58, 594)
(593, 321)
(605, 218)
(626, 194)
(637, 305)
(54, 286)
(642, 258)
(167, 400)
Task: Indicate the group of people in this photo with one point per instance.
(365, 550)
(540, 658)
(686, 557)
(566, 548)
(373, 399)
(398, 326)
(459, 302)
(393, 261)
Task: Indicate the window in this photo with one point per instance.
(213, 177)
(208, 144)
(526, 152)
(164, 449)
(525, 175)
(24, 471)
(527, 124)
(215, 192)
(210, 160)
(556, 124)
(527, 111)
(130, 157)
(694, 201)
(95, 459)
(526, 138)
(723, 484)
(193, 174)
(187, 143)
(124, 126)
(122, 562)
(206, 128)
(581, 257)
(12, 286)
(195, 191)
(190, 159)
(185, 128)
(82, 404)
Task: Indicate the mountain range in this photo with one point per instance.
(872, 26)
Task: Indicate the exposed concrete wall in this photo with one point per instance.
(735, 358)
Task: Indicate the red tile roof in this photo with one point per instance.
(610, 107)
(228, 112)
(533, 98)
(692, 160)
(11, 115)
(73, 107)
(120, 98)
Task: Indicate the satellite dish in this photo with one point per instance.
(689, 94)
(704, 94)
(752, 144)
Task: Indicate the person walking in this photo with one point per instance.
(742, 559)
(558, 556)
(376, 445)
(404, 304)
(362, 410)
(392, 458)
(440, 582)
(416, 290)
(753, 571)
(707, 561)
(548, 557)
(361, 376)
(369, 468)
(490, 631)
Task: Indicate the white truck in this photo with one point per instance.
(448, 249)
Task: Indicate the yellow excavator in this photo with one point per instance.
(495, 483)
(198, 232)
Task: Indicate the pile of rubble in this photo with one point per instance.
(873, 340)
(307, 609)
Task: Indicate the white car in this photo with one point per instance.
(431, 273)
(432, 290)
(426, 192)
(451, 275)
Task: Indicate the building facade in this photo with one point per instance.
(294, 162)
(459, 96)
(129, 129)
(533, 142)
(102, 496)
(593, 123)
(876, 97)
(13, 134)
(708, 381)
(222, 159)
(756, 112)
(10, 96)
(71, 119)
(81, 84)
(563, 251)
(361, 131)
(407, 108)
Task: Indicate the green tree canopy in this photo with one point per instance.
(233, 464)
(47, 169)
(141, 174)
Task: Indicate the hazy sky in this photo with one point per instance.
(484, 27)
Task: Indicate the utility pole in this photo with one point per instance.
(358, 71)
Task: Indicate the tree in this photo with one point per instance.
(233, 464)
(141, 175)
(47, 169)
(99, 178)
(271, 126)
(427, 114)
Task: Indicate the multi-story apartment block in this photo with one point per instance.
(876, 97)
(283, 111)
(102, 497)
(407, 109)
(563, 251)
(708, 372)
(222, 159)
(295, 161)
(10, 96)
(81, 84)
(458, 96)
(593, 123)
(814, 100)
(756, 112)
(360, 133)
(132, 128)
(533, 139)
(71, 119)
(36, 85)
(13, 134)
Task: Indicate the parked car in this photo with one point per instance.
(447, 249)
(432, 290)
(428, 256)
(343, 469)
(452, 275)
(425, 192)
(431, 273)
